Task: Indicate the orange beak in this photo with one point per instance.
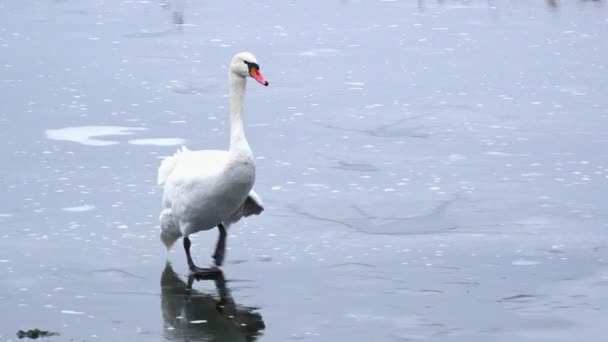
(257, 75)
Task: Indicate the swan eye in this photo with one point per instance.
(252, 65)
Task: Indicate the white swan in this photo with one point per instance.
(210, 188)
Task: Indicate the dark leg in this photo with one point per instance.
(191, 264)
(220, 248)
(187, 248)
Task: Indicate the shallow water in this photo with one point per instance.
(431, 171)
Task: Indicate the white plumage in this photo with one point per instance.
(212, 188)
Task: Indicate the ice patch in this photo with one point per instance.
(317, 52)
(532, 174)
(86, 207)
(498, 153)
(72, 312)
(574, 90)
(86, 134)
(158, 141)
(455, 157)
(522, 262)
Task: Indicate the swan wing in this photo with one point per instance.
(186, 163)
(252, 206)
(168, 164)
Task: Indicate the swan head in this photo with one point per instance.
(245, 64)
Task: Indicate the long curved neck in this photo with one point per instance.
(238, 141)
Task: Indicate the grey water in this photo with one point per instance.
(431, 170)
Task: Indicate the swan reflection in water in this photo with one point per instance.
(190, 315)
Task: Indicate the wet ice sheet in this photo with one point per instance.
(80, 208)
(157, 141)
(89, 135)
(415, 157)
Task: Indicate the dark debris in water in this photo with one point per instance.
(35, 333)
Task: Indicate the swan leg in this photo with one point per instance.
(193, 268)
(220, 285)
(220, 247)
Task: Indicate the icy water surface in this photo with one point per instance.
(431, 171)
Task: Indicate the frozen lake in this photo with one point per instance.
(432, 171)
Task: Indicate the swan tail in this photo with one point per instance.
(252, 206)
(169, 228)
(168, 165)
